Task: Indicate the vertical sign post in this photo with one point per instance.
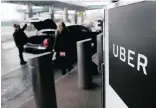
(130, 59)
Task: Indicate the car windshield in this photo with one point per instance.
(83, 29)
(77, 28)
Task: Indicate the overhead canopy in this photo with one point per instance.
(39, 10)
(54, 3)
(92, 7)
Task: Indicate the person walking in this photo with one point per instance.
(63, 48)
(20, 39)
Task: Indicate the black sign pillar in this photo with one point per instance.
(131, 53)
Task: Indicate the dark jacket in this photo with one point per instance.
(63, 41)
(20, 37)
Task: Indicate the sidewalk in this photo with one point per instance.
(10, 60)
(70, 96)
(16, 87)
(9, 51)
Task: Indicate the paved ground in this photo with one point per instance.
(69, 95)
(16, 82)
(16, 87)
(9, 52)
(10, 60)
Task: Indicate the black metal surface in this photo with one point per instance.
(84, 64)
(43, 81)
(46, 24)
(35, 50)
(132, 28)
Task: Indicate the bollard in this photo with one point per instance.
(84, 64)
(100, 50)
(43, 81)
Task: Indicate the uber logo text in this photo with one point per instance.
(120, 52)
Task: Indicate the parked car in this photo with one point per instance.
(44, 38)
(80, 32)
(44, 42)
(45, 33)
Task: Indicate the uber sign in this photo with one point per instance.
(132, 53)
(122, 56)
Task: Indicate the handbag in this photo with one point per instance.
(62, 54)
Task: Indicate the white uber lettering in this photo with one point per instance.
(130, 52)
(115, 53)
(142, 64)
(122, 54)
(128, 55)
